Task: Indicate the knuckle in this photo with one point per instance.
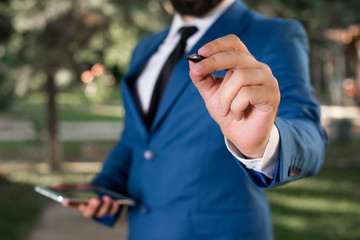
(272, 82)
(263, 77)
(275, 83)
(236, 107)
(213, 64)
(233, 37)
(212, 60)
(238, 52)
(241, 76)
(264, 65)
(215, 44)
(245, 92)
(235, 40)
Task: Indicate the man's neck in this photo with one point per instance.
(188, 18)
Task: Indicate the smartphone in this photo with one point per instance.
(81, 193)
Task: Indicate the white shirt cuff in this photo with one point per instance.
(265, 165)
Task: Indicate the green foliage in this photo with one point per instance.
(319, 14)
(44, 37)
(317, 17)
(6, 93)
(51, 36)
(6, 87)
(5, 22)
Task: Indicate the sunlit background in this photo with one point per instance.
(61, 112)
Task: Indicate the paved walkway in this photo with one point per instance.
(60, 223)
(16, 130)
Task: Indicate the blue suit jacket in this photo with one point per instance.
(186, 183)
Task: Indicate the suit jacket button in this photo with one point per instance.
(149, 155)
(144, 210)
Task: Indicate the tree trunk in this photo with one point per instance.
(55, 153)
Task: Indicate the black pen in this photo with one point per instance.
(194, 57)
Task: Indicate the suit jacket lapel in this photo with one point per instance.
(146, 49)
(233, 20)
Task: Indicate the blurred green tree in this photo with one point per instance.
(52, 36)
(316, 16)
(6, 88)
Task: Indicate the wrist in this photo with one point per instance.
(251, 151)
(259, 153)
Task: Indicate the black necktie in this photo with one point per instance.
(166, 72)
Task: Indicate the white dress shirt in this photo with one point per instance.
(147, 79)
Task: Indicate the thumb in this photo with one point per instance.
(77, 206)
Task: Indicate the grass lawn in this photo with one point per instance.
(19, 208)
(326, 206)
(323, 207)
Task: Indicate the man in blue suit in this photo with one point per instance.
(243, 120)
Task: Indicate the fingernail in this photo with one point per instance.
(106, 199)
(94, 203)
(204, 50)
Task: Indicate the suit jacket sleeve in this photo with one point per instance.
(302, 138)
(113, 176)
(115, 170)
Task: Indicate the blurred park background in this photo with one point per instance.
(61, 111)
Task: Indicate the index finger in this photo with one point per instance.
(222, 44)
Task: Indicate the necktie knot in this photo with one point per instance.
(187, 32)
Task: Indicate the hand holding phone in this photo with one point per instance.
(91, 200)
(95, 207)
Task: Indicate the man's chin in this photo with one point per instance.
(194, 8)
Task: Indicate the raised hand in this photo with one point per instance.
(244, 103)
